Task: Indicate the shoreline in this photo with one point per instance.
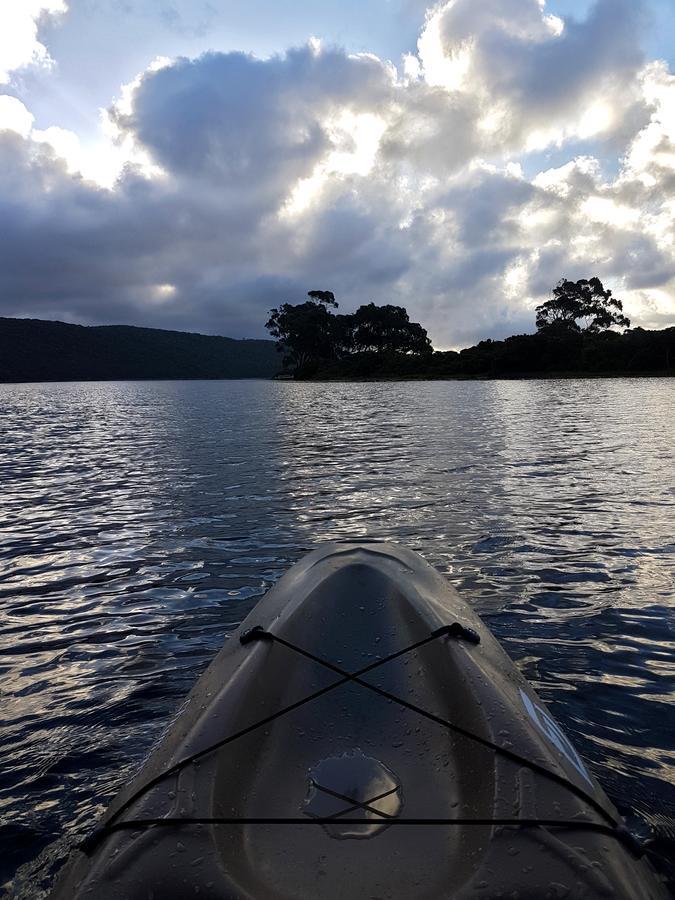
(346, 379)
(542, 376)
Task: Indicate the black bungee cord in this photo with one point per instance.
(613, 827)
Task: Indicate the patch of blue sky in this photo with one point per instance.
(555, 157)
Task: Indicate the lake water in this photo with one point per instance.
(140, 522)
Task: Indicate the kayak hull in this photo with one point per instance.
(357, 755)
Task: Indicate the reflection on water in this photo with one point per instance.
(140, 522)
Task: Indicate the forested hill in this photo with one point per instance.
(36, 350)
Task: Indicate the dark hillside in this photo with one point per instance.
(36, 350)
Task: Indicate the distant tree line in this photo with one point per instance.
(580, 329)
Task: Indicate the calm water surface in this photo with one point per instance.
(140, 522)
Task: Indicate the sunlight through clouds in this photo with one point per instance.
(607, 211)
(355, 140)
(515, 279)
(434, 63)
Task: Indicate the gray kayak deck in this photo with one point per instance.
(363, 760)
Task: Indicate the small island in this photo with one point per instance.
(581, 331)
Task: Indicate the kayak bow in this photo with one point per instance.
(361, 735)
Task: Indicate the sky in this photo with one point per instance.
(190, 164)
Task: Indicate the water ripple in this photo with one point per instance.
(140, 522)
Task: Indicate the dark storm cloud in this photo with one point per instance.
(233, 118)
(483, 204)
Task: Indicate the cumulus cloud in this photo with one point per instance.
(240, 182)
(19, 44)
(14, 116)
(236, 120)
(511, 78)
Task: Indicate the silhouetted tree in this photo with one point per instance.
(308, 333)
(388, 329)
(584, 301)
(304, 331)
(342, 333)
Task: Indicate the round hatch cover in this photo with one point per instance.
(353, 786)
